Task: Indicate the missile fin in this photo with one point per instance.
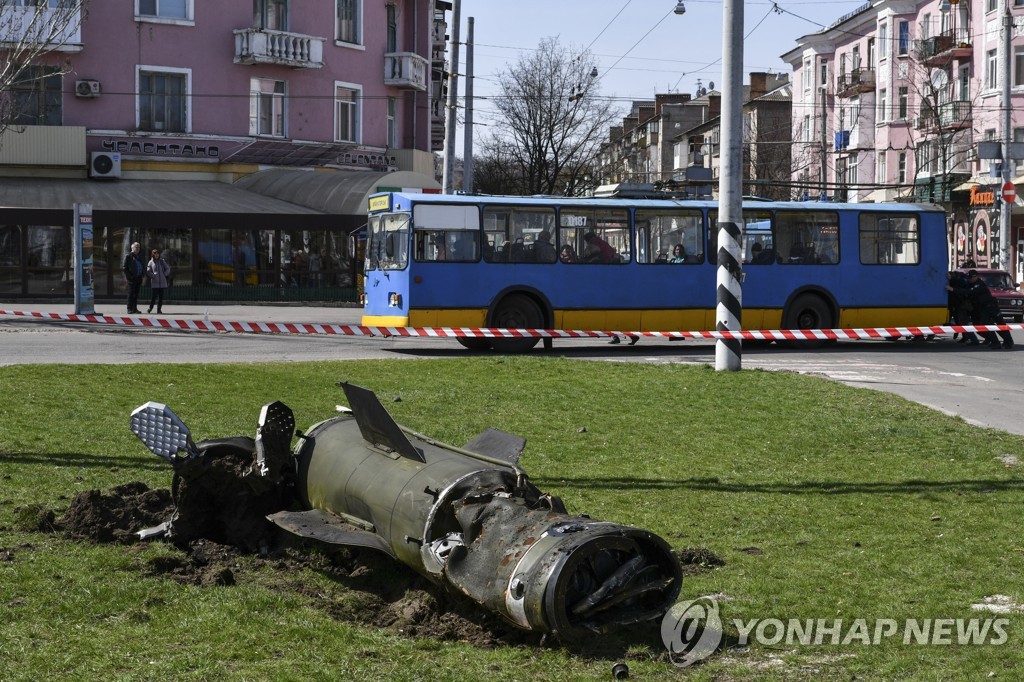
(377, 426)
(498, 444)
(328, 528)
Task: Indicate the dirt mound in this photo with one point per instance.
(118, 514)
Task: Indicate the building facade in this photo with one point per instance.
(154, 111)
(894, 101)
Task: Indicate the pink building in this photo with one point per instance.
(193, 127)
(892, 101)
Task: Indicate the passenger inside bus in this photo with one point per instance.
(598, 250)
(568, 254)
(678, 254)
(543, 249)
(760, 255)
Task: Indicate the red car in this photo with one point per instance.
(1004, 289)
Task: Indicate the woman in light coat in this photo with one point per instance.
(159, 278)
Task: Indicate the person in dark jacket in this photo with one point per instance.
(959, 303)
(985, 309)
(134, 268)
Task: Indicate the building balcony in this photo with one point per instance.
(855, 82)
(262, 46)
(406, 70)
(945, 47)
(950, 116)
(439, 31)
(57, 27)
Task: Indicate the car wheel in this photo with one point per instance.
(516, 312)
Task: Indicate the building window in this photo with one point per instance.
(392, 20)
(871, 53)
(350, 21)
(904, 37)
(991, 70)
(267, 107)
(883, 40)
(883, 105)
(165, 9)
(901, 168)
(271, 14)
(883, 171)
(1018, 65)
(162, 101)
(991, 5)
(36, 97)
(926, 26)
(904, 101)
(1018, 137)
(346, 112)
(807, 128)
(393, 122)
(824, 72)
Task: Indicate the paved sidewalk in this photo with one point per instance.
(199, 311)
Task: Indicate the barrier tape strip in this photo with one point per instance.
(491, 333)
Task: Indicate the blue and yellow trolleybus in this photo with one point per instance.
(646, 265)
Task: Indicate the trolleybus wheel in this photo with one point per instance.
(474, 342)
(807, 312)
(516, 312)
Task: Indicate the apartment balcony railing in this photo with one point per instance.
(948, 116)
(263, 46)
(59, 27)
(406, 70)
(855, 82)
(943, 48)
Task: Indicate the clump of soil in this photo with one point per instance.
(35, 518)
(699, 559)
(118, 514)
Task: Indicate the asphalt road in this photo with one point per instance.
(983, 386)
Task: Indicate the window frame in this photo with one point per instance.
(157, 18)
(647, 252)
(40, 86)
(142, 70)
(278, 99)
(355, 111)
(354, 35)
(864, 237)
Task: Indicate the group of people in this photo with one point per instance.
(971, 302)
(156, 270)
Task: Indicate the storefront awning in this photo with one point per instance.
(142, 196)
(338, 192)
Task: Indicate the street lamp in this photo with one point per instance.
(680, 8)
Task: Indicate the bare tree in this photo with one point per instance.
(30, 31)
(550, 124)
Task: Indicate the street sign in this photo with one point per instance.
(1009, 192)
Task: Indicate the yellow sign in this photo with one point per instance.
(381, 202)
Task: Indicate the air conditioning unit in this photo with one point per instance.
(87, 89)
(105, 165)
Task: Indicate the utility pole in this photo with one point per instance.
(1004, 106)
(729, 309)
(467, 154)
(448, 176)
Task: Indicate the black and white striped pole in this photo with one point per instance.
(729, 309)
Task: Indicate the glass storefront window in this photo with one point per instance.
(48, 259)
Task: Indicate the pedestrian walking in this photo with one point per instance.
(134, 270)
(159, 276)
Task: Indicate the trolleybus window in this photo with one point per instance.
(519, 235)
(889, 239)
(754, 223)
(446, 233)
(807, 237)
(388, 246)
(659, 233)
(595, 236)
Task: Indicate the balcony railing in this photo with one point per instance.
(406, 70)
(954, 114)
(263, 46)
(857, 81)
(947, 45)
(60, 27)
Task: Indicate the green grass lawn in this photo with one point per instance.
(824, 502)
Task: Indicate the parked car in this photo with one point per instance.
(1004, 289)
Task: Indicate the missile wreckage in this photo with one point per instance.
(466, 518)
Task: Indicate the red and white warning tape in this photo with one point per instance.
(489, 333)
